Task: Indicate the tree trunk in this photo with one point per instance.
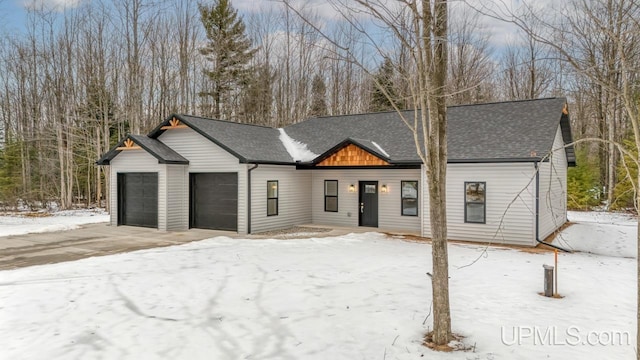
(638, 272)
(61, 157)
(434, 84)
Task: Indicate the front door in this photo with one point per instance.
(368, 203)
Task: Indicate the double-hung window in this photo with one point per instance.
(331, 195)
(475, 208)
(272, 197)
(409, 197)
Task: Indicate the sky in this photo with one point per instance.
(13, 13)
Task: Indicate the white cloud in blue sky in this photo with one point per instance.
(55, 5)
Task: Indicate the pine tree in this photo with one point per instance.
(318, 97)
(228, 50)
(383, 79)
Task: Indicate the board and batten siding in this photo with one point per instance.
(507, 221)
(294, 198)
(137, 161)
(389, 204)
(206, 157)
(553, 189)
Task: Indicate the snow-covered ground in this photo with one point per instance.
(611, 234)
(358, 296)
(17, 223)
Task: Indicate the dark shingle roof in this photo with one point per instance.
(507, 130)
(504, 131)
(249, 143)
(160, 151)
(385, 129)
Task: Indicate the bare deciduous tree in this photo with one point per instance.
(422, 27)
(598, 39)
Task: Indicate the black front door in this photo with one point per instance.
(369, 203)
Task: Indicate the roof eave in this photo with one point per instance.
(496, 160)
(113, 152)
(359, 167)
(161, 160)
(268, 162)
(109, 155)
(174, 162)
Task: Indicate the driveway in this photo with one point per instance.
(90, 240)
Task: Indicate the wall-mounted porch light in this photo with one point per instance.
(352, 188)
(384, 188)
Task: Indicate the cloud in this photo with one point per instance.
(496, 16)
(323, 9)
(498, 28)
(54, 5)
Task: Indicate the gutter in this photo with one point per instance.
(255, 166)
(536, 164)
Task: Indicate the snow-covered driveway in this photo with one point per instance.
(17, 224)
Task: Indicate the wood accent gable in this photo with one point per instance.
(129, 145)
(352, 155)
(174, 124)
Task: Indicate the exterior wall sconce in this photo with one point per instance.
(384, 189)
(352, 188)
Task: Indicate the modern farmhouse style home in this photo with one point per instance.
(506, 179)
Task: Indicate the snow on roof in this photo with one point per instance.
(297, 150)
(380, 149)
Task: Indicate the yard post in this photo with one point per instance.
(548, 280)
(556, 272)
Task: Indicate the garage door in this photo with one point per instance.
(214, 201)
(138, 199)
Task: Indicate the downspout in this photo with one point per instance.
(537, 167)
(255, 166)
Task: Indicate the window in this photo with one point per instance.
(409, 198)
(272, 197)
(475, 209)
(331, 195)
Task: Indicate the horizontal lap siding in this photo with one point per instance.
(553, 185)
(294, 198)
(178, 197)
(504, 183)
(128, 161)
(204, 157)
(389, 204)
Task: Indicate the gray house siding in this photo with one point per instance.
(204, 156)
(507, 221)
(553, 189)
(177, 198)
(294, 198)
(138, 161)
(389, 204)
